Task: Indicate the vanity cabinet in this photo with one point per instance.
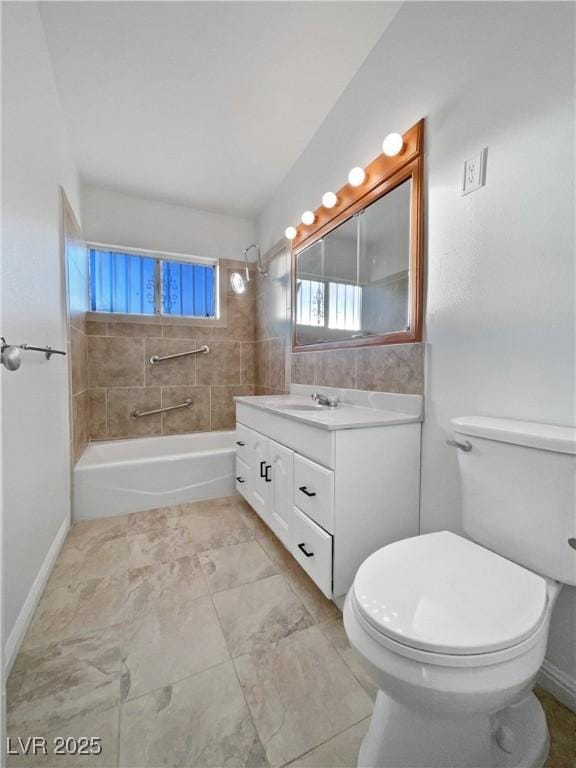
(332, 496)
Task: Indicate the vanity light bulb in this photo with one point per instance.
(290, 233)
(393, 144)
(308, 217)
(329, 200)
(356, 177)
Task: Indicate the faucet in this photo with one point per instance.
(321, 399)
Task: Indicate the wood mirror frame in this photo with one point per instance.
(383, 175)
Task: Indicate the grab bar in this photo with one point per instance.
(155, 359)
(138, 414)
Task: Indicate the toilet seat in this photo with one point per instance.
(441, 595)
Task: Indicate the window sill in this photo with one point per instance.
(119, 317)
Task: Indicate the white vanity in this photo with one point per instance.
(333, 484)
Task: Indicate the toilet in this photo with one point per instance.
(453, 630)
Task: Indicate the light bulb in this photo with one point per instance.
(290, 233)
(308, 217)
(393, 144)
(356, 177)
(329, 200)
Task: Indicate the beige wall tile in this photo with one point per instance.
(138, 330)
(121, 404)
(262, 363)
(176, 372)
(302, 368)
(97, 406)
(221, 365)
(336, 368)
(80, 424)
(391, 368)
(247, 362)
(277, 377)
(239, 321)
(223, 407)
(78, 361)
(196, 418)
(198, 333)
(95, 328)
(115, 362)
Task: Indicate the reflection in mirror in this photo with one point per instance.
(354, 282)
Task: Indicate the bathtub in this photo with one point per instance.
(121, 476)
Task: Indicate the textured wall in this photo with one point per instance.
(121, 378)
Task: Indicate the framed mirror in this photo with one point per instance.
(358, 280)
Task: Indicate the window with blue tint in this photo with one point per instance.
(137, 284)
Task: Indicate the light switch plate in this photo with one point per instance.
(474, 175)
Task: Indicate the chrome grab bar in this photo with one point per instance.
(155, 359)
(138, 414)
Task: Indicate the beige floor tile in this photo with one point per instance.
(300, 694)
(89, 559)
(151, 520)
(235, 565)
(339, 752)
(103, 725)
(159, 545)
(169, 643)
(77, 608)
(257, 614)
(319, 606)
(212, 526)
(334, 632)
(56, 682)
(160, 583)
(252, 520)
(562, 726)
(101, 529)
(200, 722)
(276, 550)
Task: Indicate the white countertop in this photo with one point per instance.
(343, 416)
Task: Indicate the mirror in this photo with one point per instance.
(353, 285)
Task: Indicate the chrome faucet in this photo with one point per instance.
(321, 399)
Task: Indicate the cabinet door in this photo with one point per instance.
(281, 462)
(261, 480)
(244, 479)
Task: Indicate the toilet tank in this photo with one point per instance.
(519, 491)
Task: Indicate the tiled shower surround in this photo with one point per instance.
(249, 354)
(390, 368)
(122, 380)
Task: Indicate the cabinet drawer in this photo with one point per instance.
(244, 443)
(314, 491)
(243, 478)
(312, 548)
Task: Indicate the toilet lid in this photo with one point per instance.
(445, 594)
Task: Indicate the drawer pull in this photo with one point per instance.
(240, 443)
(262, 470)
(240, 479)
(305, 490)
(302, 548)
(268, 479)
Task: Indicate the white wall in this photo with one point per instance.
(121, 219)
(36, 497)
(500, 262)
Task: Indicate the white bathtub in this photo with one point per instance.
(121, 476)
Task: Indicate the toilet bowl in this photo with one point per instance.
(454, 631)
(453, 636)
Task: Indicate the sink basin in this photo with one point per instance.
(300, 407)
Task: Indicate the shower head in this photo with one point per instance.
(259, 266)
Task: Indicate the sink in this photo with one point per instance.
(300, 407)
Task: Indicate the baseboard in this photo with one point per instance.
(558, 684)
(16, 636)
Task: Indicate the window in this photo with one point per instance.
(338, 308)
(139, 284)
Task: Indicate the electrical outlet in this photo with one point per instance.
(474, 175)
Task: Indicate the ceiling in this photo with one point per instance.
(203, 103)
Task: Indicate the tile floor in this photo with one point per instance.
(188, 636)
